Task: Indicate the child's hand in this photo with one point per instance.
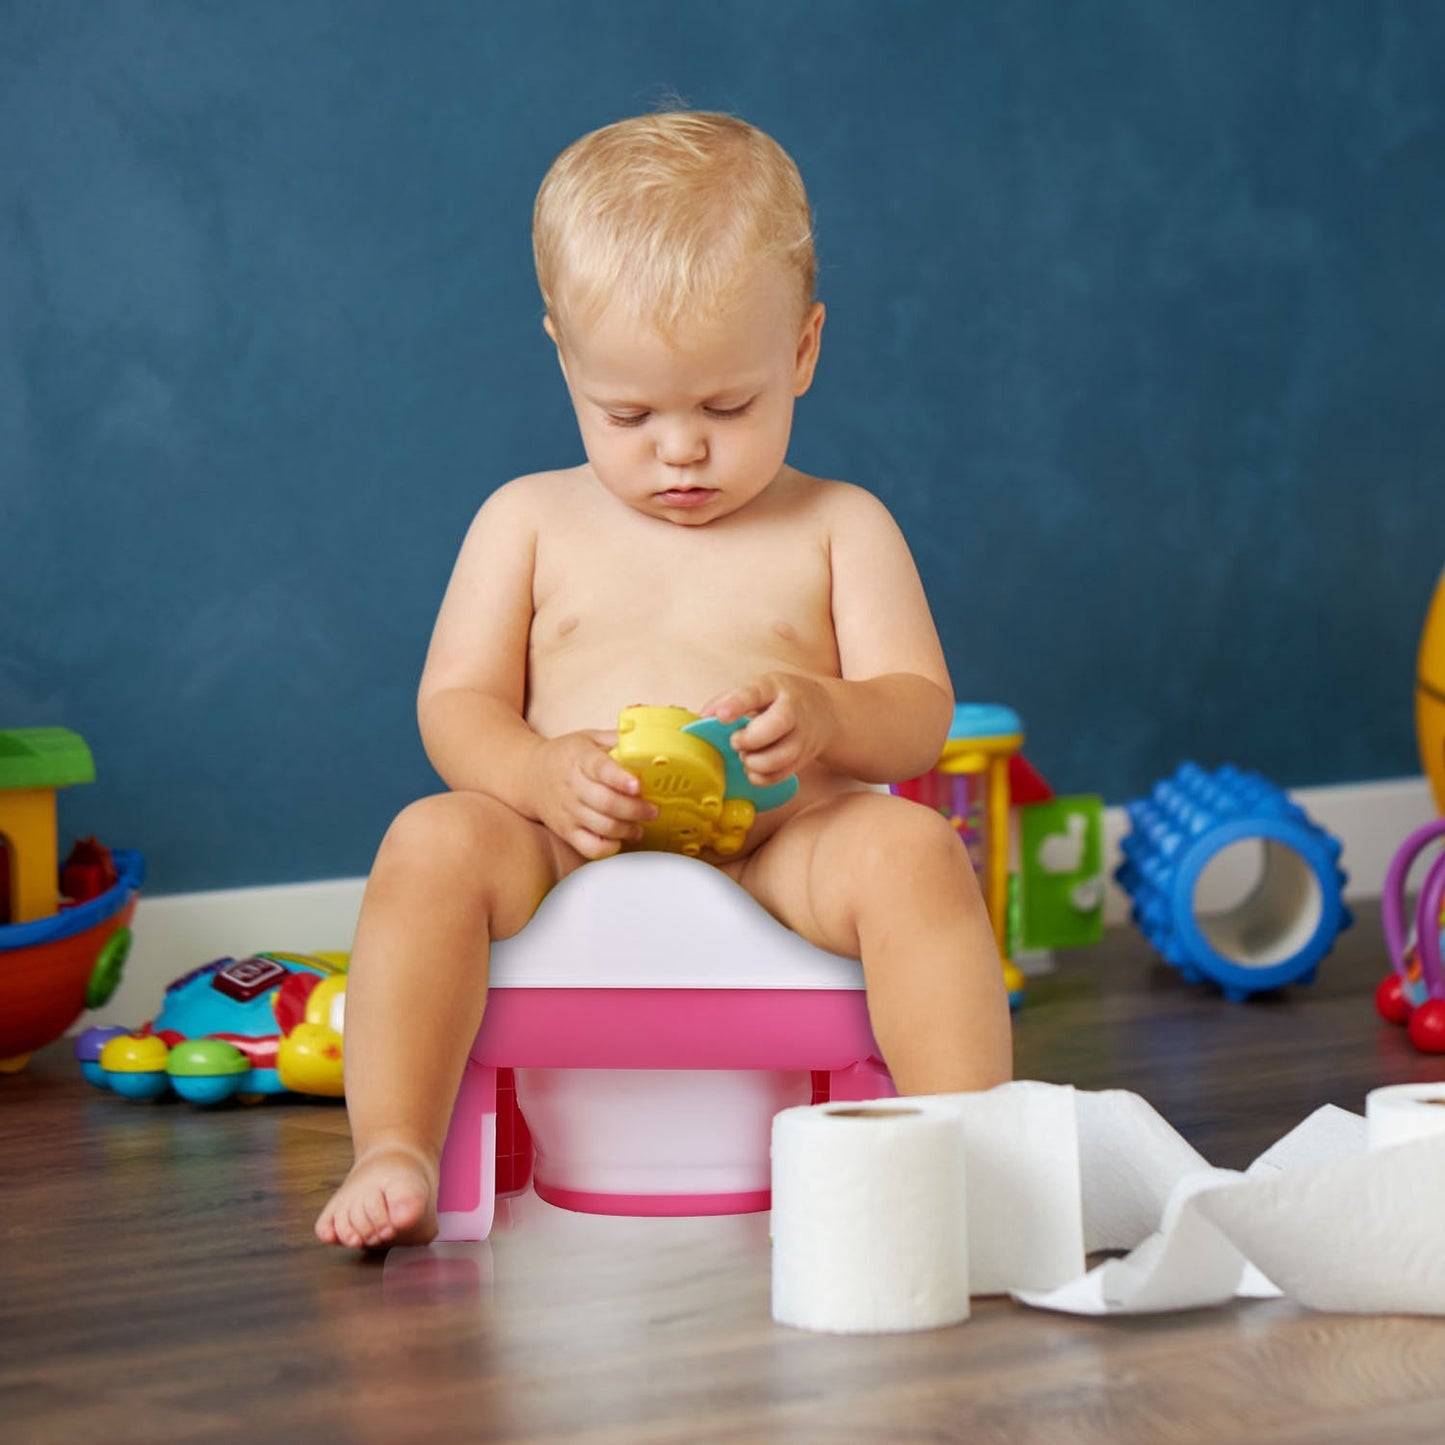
(586, 797)
(793, 721)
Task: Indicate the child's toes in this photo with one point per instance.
(405, 1207)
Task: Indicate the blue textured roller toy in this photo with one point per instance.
(1289, 917)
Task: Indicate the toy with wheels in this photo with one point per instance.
(689, 770)
(1414, 992)
(234, 1028)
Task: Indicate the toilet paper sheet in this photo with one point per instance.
(1333, 1215)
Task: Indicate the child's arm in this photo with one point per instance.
(886, 717)
(472, 697)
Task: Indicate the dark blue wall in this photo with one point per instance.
(1137, 316)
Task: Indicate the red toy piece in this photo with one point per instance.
(1427, 1027)
(1390, 1001)
(87, 873)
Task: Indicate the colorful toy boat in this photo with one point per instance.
(59, 955)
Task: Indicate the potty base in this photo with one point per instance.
(655, 1206)
(656, 1142)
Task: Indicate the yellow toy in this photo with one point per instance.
(1430, 695)
(308, 1059)
(34, 764)
(697, 781)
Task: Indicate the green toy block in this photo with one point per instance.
(1061, 863)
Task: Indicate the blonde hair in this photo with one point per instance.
(670, 216)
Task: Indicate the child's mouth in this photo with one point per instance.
(687, 496)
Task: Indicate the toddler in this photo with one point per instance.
(684, 563)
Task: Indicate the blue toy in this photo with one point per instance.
(234, 1028)
(1288, 922)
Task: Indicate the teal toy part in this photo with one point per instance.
(983, 720)
(719, 734)
(1283, 923)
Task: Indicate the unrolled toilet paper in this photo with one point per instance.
(870, 1217)
(1335, 1214)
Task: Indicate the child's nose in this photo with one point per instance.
(682, 444)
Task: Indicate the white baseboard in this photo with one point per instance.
(177, 932)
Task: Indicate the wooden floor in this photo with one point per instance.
(158, 1279)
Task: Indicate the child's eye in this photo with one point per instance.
(726, 413)
(626, 418)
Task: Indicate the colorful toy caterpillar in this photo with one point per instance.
(267, 1024)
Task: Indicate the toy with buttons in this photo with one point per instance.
(687, 767)
(234, 1028)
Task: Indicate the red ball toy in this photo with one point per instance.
(1390, 1001)
(1427, 1027)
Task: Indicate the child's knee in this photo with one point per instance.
(891, 834)
(452, 833)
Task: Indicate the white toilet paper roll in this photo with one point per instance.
(870, 1231)
(1402, 1112)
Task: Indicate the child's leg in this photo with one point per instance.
(886, 881)
(454, 872)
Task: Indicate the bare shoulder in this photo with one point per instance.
(519, 513)
(843, 508)
(533, 499)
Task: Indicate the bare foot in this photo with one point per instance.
(388, 1198)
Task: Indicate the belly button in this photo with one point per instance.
(786, 631)
(567, 624)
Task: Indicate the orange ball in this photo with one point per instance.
(1430, 695)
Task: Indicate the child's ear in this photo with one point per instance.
(809, 340)
(550, 327)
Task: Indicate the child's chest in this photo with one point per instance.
(765, 591)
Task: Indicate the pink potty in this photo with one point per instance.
(657, 1018)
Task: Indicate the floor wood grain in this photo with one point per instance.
(158, 1279)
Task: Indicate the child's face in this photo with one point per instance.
(692, 429)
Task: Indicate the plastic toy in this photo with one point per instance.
(1430, 695)
(234, 1028)
(980, 783)
(1061, 872)
(1277, 934)
(1414, 992)
(688, 769)
(64, 932)
(971, 786)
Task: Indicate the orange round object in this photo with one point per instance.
(1430, 695)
